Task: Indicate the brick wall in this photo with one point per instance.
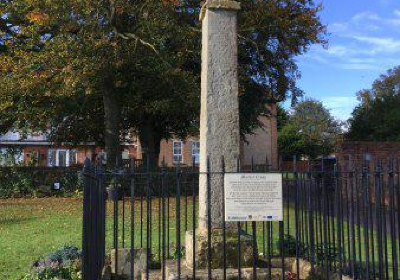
(166, 151)
(355, 152)
(82, 152)
(31, 153)
(263, 142)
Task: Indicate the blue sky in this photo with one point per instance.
(364, 42)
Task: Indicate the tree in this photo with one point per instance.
(310, 131)
(377, 117)
(107, 68)
(100, 86)
(282, 117)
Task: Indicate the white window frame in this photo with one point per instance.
(196, 147)
(49, 152)
(176, 155)
(66, 157)
(57, 158)
(70, 158)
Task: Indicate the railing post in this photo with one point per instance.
(393, 220)
(365, 192)
(86, 266)
(178, 218)
(132, 170)
(239, 231)
(224, 223)
(296, 213)
(164, 223)
(378, 213)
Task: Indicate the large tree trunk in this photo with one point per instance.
(150, 142)
(112, 118)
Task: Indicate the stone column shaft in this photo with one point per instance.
(219, 123)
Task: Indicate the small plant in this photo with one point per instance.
(316, 276)
(289, 246)
(79, 193)
(360, 270)
(54, 273)
(329, 253)
(175, 252)
(64, 264)
(290, 275)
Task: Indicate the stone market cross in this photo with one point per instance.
(219, 133)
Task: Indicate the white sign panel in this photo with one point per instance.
(253, 197)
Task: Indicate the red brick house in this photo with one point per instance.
(356, 152)
(35, 148)
(262, 144)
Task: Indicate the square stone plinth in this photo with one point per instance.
(124, 267)
(218, 274)
(217, 252)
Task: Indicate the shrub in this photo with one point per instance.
(329, 253)
(289, 246)
(64, 264)
(360, 269)
(54, 273)
(17, 181)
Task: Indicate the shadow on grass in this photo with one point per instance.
(16, 220)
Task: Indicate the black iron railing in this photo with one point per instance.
(339, 221)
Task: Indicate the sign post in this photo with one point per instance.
(253, 197)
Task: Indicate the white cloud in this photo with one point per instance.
(338, 50)
(395, 22)
(358, 66)
(340, 106)
(371, 20)
(362, 60)
(338, 27)
(365, 16)
(367, 41)
(380, 44)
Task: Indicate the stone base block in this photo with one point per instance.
(217, 253)
(319, 272)
(218, 274)
(124, 262)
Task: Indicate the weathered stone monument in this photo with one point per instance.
(219, 122)
(219, 131)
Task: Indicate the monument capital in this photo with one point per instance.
(223, 5)
(228, 5)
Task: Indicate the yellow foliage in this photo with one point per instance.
(37, 17)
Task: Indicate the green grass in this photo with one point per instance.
(30, 228)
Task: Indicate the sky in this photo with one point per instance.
(364, 42)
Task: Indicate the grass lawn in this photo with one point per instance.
(30, 228)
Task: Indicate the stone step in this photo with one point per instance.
(153, 275)
(218, 274)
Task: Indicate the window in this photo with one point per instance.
(72, 157)
(11, 156)
(3, 156)
(52, 157)
(196, 152)
(61, 157)
(125, 154)
(33, 157)
(367, 157)
(177, 151)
